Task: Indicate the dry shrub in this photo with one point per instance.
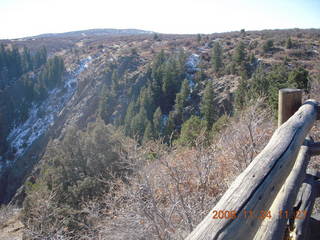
(173, 189)
(166, 192)
(315, 134)
(6, 212)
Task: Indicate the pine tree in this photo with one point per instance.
(156, 37)
(217, 57)
(106, 105)
(180, 102)
(243, 32)
(14, 66)
(27, 64)
(157, 123)
(171, 84)
(40, 57)
(170, 128)
(149, 133)
(156, 89)
(207, 107)
(240, 54)
(146, 100)
(131, 112)
(199, 37)
(289, 43)
(115, 82)
(240, 94)
(267, 45)
(300, 79)
(138, 124)
(190, 130)
(158, 65)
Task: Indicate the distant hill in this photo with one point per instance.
(161, 124)
(95, 32)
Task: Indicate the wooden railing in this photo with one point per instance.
(274, 196)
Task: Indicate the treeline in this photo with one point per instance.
(266, 84)
(151, 97)
(151, 114)
(25, 78)
(164, 102)
(160, 101)
(259, 80)
(14, 63)
(49, 76)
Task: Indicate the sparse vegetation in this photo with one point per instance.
(267, 45)
(167, 191)
(156, 130)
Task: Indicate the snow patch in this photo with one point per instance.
(192, 63)
(43, 115)
(191, 68)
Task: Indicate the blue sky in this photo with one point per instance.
(19, 18)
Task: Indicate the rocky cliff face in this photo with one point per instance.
(76, 103)
(28, 140)
(124, 65)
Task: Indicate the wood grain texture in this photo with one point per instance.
(274, 227)
(256, 187)
(314, 149)
(289, 102)
(305, 202)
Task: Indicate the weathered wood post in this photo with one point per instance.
(256, 188)
(289, 102)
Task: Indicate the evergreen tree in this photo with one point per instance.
(131, 112)
(199, 37)
(52, 73)
(156, 37)
(260, 84)
(40, 57)
(15, 69)
(240, 54)
(169, 86)
(138, 124)
(217, 57)
(146, 100)
(241, 94)
(170, 128)
(243, 32)
(180, 102)
(158, 65)
(185, 90)
(115, 82)
(289, 43)
(299, 79)
(199, 76)
(149, 133)
(267, 46)
(190, 130)
(156, 89)
(106, 105)
(27, 64)
(252, 59)
(157, 123)
(206, 106)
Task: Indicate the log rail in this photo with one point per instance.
(274, 196)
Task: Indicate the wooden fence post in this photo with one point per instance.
(289, 102)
